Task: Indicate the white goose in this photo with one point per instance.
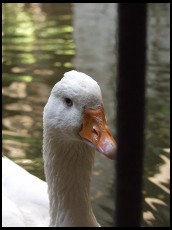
(74, 126)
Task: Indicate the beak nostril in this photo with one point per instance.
(95, 132)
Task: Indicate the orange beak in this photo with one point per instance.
(95, 132)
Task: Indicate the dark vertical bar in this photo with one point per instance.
(130, 113)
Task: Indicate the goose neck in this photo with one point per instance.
(68, 169)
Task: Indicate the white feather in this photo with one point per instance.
(24, 197)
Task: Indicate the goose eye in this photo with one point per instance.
(68, 102)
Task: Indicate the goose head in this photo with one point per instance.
(75, 112)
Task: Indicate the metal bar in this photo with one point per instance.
(130, 113)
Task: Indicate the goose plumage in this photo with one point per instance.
(74, 126)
